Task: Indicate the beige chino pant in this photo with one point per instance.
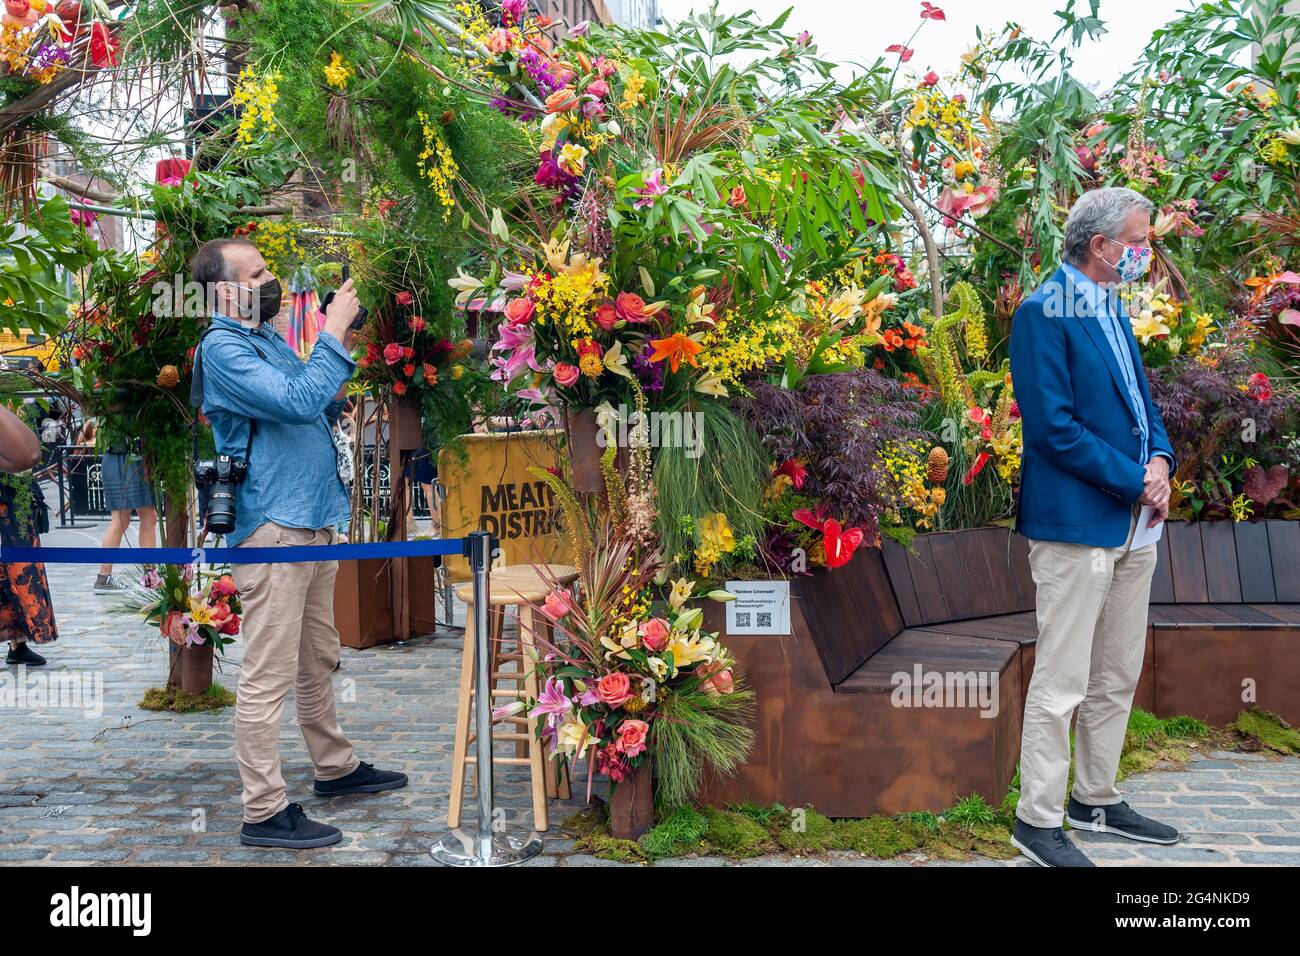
(289, 642)
(1092, 621)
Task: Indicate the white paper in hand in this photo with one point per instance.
(1142, 535)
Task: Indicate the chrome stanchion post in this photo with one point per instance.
(492, 844)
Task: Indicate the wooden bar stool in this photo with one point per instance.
(519, 587)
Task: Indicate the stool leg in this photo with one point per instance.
(464, 718)
(536, 758)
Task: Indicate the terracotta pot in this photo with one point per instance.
(584, 452)
(632, 804)
(196, 668)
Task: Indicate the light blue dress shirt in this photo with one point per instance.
(292, 470)
(1106, 309)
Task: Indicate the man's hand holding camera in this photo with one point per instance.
(341, 312)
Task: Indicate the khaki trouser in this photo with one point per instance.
(1092, 621)
(289, 641)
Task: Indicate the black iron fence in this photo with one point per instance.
(78, 474)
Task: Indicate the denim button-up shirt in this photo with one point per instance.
(292, 471)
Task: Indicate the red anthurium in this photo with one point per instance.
(904, 53)
(930, 12)
(840, 545)
(793, 469)
(103, 45)
(981, 460)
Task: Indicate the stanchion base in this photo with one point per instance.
(462, 847)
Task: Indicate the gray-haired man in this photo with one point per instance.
(1095, 452)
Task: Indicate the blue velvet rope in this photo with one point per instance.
(286, 555)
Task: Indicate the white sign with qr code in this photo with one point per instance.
(761, 607)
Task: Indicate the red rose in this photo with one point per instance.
(408, 352)
(630, 307)
(404, 298)
(606, 316)
(408, 369)
(418, 323)
(231, 625)
(399, 388)
(631, 739)
(520, 311)
(614, 689)
(654, 634)
(392, 353)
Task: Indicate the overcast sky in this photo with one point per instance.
(859, 30)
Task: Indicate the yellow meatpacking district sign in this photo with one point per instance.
(490, 489)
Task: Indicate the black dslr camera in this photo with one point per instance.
(362, 311)
(216, 480)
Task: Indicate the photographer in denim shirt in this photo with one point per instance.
(268, 406)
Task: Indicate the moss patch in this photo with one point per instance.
(880, 837)
(806, 831)
(174, 699)
(734, 834)
(1269, 730)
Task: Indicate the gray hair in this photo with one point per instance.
(1099, 212)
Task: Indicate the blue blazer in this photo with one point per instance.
(1080, 473)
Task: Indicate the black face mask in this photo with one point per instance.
(267, 305)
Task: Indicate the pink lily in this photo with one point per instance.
(551, 702)
(654, 188)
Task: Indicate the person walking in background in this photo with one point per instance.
(126, 489)
(26, 611)
(1095, 453)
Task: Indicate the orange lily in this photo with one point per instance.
(675, 348)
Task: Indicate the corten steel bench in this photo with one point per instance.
(957, 608)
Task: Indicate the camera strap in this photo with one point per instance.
(196, 393)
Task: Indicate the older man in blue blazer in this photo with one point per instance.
(1095, 452)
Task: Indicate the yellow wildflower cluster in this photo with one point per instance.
(716, 541)
(473, 22)
(13, 48)
(277, 241)
(337, 72)
(734, 346)
(437, 164)
(567, 294)
(632, 91)
(255, 98)
(948, 117)
(906, 463)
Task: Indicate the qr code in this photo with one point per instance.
(764, 618)
(742, 618)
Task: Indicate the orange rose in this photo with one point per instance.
(561, 101)
(614, 689)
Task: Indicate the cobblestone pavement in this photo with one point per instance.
(131, 786)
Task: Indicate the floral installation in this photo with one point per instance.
(629, 674)
(190, 617)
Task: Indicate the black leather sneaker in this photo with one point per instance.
(290, 829)
(365, 779)
(1047, 846)
(24, 655)
(1120, 819)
